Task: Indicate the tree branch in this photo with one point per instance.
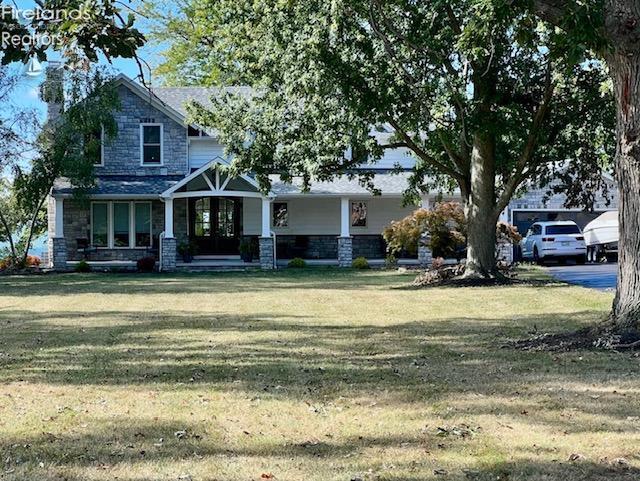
(443, 168)
(530, 147)
(388, 46)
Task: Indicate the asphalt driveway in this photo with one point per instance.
(595, 276)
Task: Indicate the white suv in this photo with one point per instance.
(560, 240)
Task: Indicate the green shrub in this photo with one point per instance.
(360, 263)
(83, 266)
(297, 263)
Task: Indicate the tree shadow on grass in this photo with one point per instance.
(193, 283)
(291, 357)
(119, 445)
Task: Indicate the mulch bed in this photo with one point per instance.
(600, 337)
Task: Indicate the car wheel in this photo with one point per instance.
(581, 259)
(536, 257)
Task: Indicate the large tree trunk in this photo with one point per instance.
(624, 66)
(622, 20)
(480, 209)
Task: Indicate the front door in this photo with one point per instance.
(214, 224)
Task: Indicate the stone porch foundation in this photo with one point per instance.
(58, 253)
(345, 251)
(425, 256)
(168, 255)
(266, 252)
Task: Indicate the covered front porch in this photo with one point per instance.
(210, 214)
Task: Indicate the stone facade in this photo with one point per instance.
(266, 253)
(326, 246)
(77, 225)
(168, 254)
(369, 246)
(57, 251)
(122, 154)
(345, 251)
(425, 257)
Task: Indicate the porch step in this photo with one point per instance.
(200, 264)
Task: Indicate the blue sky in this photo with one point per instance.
(26, 96)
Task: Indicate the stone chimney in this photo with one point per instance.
(52, 89)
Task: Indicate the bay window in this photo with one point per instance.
(121, 225)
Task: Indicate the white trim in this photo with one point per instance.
(142, 144)
(132, 224)
(266, 218)
(214, 193)
(168, 218)
(171, 192)
(345, 216)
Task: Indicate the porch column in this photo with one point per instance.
(345, 241)
(267, 248)
(169, 242)
(168, 217)
(57, 244)
(425, 257)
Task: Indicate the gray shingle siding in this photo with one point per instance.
(122, 154)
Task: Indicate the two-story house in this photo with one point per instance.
(162, 183)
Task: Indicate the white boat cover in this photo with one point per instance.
(602, 230)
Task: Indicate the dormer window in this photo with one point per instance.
(151, 144)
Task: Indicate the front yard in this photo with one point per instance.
(308, 375)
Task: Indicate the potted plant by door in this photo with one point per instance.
(186, 250)
(246, 251)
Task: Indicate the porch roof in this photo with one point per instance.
(389, 184)
(151, 186)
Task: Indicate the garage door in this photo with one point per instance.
(523, 219)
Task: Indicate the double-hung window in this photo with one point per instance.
(121, 225)
(151, 136)
(100, 224)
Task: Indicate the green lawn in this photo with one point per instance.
(309, 375)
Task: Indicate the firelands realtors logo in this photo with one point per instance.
(11, 16)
